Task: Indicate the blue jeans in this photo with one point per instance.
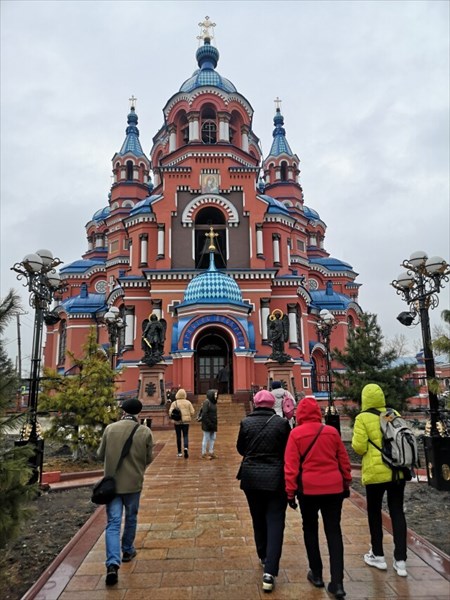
(114, 512)
(179, 429)
(208, 436)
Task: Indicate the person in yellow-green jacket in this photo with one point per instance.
(378, 479)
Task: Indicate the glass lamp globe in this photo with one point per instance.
(54, 280)
(436, 264)
(110, 316)
(33, 263)
(417, 259)
(114, 310)
(47, 257)
(405, 280)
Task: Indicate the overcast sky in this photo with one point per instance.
(365, 93)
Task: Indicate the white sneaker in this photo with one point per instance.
(400, 567)
(375, 561)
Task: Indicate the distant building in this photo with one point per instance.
(212, 237)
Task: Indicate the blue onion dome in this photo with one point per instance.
(212, 286)
(280, 144)
(311, 214)
(132, 143)
(207, 58)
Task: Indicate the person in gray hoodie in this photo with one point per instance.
(278, 393)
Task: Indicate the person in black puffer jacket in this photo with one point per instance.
(261, 441)
(209, 424)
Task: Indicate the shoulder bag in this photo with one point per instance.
(105, 490)
(302, 460)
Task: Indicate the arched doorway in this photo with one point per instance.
(213, 351)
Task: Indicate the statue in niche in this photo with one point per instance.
(278, 335)
(153, 338)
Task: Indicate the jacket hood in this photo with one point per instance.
(308, 410)
(372, 396)
(278, 393)
(181, 394)
(212, 396)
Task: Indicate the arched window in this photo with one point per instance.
(129, 170)
(210, 216)
(351, 323)
(209, 126)
(62, 342)
(283, 171)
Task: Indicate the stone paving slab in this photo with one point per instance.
(195, 542)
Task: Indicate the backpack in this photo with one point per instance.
(175, 415)
(399, 446)
(288, 406)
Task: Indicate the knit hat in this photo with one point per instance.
(133, 406)
(264, 399)
(180, 394)
(276, 385)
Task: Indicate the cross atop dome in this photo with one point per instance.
(133, 101)
(205, 27)
(278, 103)
(211, 235)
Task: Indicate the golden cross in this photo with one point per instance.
(211, 235)
(277, 103)
(132, 101)
(205, 26)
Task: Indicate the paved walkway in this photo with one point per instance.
(195, 542)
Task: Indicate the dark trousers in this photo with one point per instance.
(182, 428)
(330, 506)
(395, 497)
(268, 511)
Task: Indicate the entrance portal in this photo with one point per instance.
(213, 352)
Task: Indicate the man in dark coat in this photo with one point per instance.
(209, 424)
(261, 441)
(129, 480)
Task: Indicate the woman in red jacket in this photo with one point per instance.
(325, 480)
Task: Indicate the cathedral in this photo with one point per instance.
(209, 243)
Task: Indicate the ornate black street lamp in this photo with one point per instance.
(42, 282)
(419, 286)
(114, 324)
(325, 325)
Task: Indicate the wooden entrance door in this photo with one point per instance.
(212, 355)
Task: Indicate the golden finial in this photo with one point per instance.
(211, 235)
(132, 101)
(205, 27)
(277, 103)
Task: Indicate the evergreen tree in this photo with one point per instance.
(84, 402)
(365, 362)
(15, 472)
(442, 343)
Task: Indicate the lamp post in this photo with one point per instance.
(114, 323)
(419, 286)
(42, 281)
(325, 325)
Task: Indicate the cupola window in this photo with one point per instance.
(283, 171)
(209, 125)
(129, 170)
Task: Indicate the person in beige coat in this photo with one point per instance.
(182, 427)
(129, 480)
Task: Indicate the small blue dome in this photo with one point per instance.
(212, 286)
(207, 58)
(311, 214)
(101, 214)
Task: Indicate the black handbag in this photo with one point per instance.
(104, 491)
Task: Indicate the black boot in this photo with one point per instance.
(111, 575)
(337, 589)
(315, 579)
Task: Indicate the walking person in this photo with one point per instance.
(378, 479)
(223, 379)
(279, 393)
(129, 480)
(317, 470)
(182, 427)
(261, 441)
(209, 424)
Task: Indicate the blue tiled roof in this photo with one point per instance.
(101, 214)
(80, 266)
(280, 144)
(311, 214)
(145, 205)
(212, 286)
(332, 264)
(132, 143)
(90, 303)
(332, 301)
(207, 58)
(275, 206)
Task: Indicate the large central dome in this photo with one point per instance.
(207, 58)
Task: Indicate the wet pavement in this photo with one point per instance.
(195, 541)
